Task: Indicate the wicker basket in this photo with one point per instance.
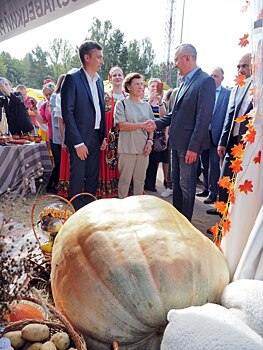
(68, 203)
(56, 323)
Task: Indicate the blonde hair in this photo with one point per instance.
(154, 80)
(48, 86)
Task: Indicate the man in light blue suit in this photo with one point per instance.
(83, 111)
(209, 157)
(189, 120)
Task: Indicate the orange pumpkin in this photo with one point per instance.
(22, 311)
(119, 265)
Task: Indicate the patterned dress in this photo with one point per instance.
(109, 173)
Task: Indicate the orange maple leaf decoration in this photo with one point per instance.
(243, 41)
(226, 224)
(250, 135)
(257, 159)
(232, 197)
(220, 207)
(241, 119)
(217, 243)
(224, 182)
(237, 151)
(236, 165)
(240, 80)
(246, 187)
(215, 229)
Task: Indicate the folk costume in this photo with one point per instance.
(109, 174)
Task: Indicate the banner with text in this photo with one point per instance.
(18, 16)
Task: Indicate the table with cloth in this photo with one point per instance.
(22, 164)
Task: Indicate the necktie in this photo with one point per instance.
(217, 94)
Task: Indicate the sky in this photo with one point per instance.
(212, 26)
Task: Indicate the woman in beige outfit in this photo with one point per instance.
(135, 144)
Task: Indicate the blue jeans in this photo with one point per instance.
(184, 183)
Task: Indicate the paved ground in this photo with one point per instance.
(201, 220)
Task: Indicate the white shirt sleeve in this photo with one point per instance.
(57, 109)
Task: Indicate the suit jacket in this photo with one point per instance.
(219, 114)
(235, 103)
(78, 109)
(191, 114)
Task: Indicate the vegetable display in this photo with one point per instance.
(119, 266)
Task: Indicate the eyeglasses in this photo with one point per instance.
(178, 58)
(242, 66)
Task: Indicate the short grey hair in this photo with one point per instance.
(187, 49)
(220, 69)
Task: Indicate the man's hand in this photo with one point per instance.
(221, 151)
(82, 152)
(104, 145)
(150, 126)
(190, 157)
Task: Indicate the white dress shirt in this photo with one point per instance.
(95, 97)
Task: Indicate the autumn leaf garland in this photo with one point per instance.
(220, 229)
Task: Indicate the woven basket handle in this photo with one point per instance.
(40, 200)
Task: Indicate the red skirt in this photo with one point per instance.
(108, 179)
(63, 184)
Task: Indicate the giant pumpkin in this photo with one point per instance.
(119, 265)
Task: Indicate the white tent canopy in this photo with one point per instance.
(18, 16)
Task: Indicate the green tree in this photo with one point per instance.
(133, 61)
(147, 57)
(13, 69)
(3, 68)
(100, 32)
(117, 51)
(138, 56)
(60, 54)
(39, 68)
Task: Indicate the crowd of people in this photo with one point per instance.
(105, 143)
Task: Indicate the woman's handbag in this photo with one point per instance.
(159, 141)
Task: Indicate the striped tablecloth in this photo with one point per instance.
(22, 164)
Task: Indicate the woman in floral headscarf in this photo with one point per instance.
(109, 174)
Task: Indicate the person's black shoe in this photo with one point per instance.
(151, 189)
(203, 193)
(212, 212)
(209, 200)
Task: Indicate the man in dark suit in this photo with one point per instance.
(209, 157)
(83, 111)
(240, 103)
(189, 120)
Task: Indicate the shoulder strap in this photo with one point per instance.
(122, 100)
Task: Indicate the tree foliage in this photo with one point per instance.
(37, 65)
